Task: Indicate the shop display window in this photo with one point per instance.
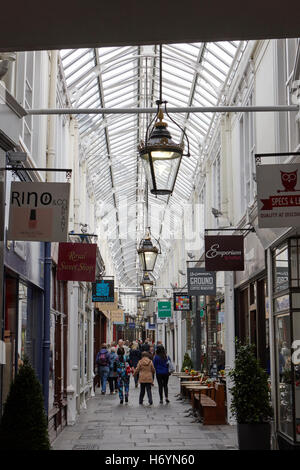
(286, 271)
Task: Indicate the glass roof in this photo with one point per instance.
(128, 77)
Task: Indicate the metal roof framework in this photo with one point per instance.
(128, 77)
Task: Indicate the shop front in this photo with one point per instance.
(286, 320)
(251, 300)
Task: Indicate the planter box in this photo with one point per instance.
(255, 436)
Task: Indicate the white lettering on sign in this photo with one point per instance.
(213, 252)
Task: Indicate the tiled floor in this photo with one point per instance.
(107, 425)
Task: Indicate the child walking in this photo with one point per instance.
(145, 369)
(123, 370)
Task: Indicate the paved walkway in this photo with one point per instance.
(107, 425)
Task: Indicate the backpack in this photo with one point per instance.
(102, 358)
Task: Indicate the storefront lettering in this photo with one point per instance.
(30, 198)
(213, 252)
(296, 354)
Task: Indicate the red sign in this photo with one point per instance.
(224, 253)
(76, 262)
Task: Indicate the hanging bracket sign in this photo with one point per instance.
(77, 262)
(224, 253)
(164, 309)
(201, 282)
(103, 291)
(278, 195)
(39, 211)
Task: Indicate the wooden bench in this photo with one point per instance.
(212, 408)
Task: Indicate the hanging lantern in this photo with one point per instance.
(160, 155)
(147, 285)
(143, 302)
(148, 253)
(161, 158)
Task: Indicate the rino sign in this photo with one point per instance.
(224, 253)
(39, 211)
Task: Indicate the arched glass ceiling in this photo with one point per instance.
(128, 77)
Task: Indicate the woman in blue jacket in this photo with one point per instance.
(161, 364)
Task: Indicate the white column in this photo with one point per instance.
(230, 338)
(73, 369)
(179, 341)
(91, 349)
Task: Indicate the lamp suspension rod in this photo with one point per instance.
(186, 109)
(160, 73)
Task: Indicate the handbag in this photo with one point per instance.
(170, 366)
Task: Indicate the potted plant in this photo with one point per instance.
(24, 422)
(250, 400)
(187, 363)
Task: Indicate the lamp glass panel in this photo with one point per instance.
(150, 259)
(147, 289)
(165, 167)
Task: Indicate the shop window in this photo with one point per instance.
(287, 330)
(10, 335)
(283, 365)
(296, 366)
(281, 272)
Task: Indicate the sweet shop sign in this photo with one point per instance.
(76, 262)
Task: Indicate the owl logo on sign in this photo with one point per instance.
(289, 181)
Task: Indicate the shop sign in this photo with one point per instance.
(150, 326)
(201, 282)
(117, 317)
(108, 305)
(164, 309)
(39, 211)
(278, 195)
(103, 291)
(76, 262)
(221, 316)
(224, 253)
(131, 325)
(182, 302)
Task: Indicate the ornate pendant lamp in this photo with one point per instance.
(147, 285)
(160, 155)
(148, 253)
(143, 302)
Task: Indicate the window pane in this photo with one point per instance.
(281, 270)
(296, 336)
(283, 359)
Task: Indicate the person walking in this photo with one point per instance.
(161, 364)
(102, 361)
(123, 370)
(145, 346)
(135, 356)
(146, 372)
(113, 376)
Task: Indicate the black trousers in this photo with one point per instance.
(142, 392)
(162, 380)
(112, 383)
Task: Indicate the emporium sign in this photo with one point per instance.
(39, 211)
(76, 262)
(224, 253)
(201, 282)
(278, 195)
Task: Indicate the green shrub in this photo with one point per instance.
(24, 423)
(187, 363)
(250, 392)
